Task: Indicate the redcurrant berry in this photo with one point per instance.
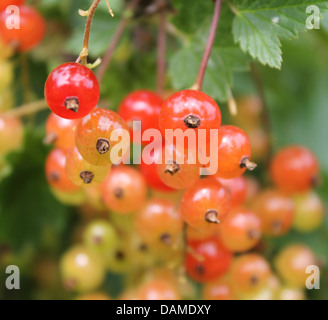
(71, 90)
(234, 152)
(29, 34)
(218, 290)
(294, 169)
(206, 203)
(81, 172)
(6, 3)
(60, 131)
(124, 190)
(158, 289)
(189, 109)
(241, 231)
(98, 137)
(141, 105)
(207, 260)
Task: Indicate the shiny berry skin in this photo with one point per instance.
(309, 212)
(207, 260)
(205, 204)
(291, 264)
(60, 131)
(249, 273)
(124, 190)
(178, 168)
(237, 189)
(218, 290)
(71, 90)
(81, 269)
(190, 109)
(30, 33)
(81, 172)
(158, 289)
(276, 211)
(56, 171)
(294, 169)
(148, 168)
(5, 3)
(201, 234)
(234, 152)
(11, 134)
(159, 223)
(141, 105)
(241, 230)
(97, 137)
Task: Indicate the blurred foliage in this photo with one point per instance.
(295, 96)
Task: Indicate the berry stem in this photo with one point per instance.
(161, 52)
(116, 39)
(27, 109)
(85, 49)
(210, 41)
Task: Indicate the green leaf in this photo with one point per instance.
(259, 26)
(27, 208)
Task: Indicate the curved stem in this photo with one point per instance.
(161, 53)
(27, 109)
(116, 38)
(85, 49)
(210, 41)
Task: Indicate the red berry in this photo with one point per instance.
(189, 109)
(234, 152)
(207, 260)
(178, 168)
(97, 137)
(72, 90)
(159, 223)
(141, 105)
(237, 189)
(206, 203)
(294, 169)
(124, 190)
(56, 171)
(276, 211)
(30, 32)
(241, 231)
(60, 131)
(5, 3)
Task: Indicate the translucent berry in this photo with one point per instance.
(291, 264)
(234, 152)
(158, 289)
(189, 109)
(124, 190)
(60, 131)
(218, 290)
(241, 230)
(71, 90)
(101, 137)
(207, 260)
(295, 169)
(31, 29)
(309, 212)
(81, 172)
(205, 204)
(56, 171)
(249, 273)
(276, 211)
(81, 269)
(159, 223)
(141, 105)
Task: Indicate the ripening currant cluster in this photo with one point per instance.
(164, 223)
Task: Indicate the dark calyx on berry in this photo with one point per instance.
(87, 176)
(315, 182)
(253, 234)
(118, 193)
(211, 216)
(70, 284)
(200, 270)
(192, 121)
(54, 176)
(72, 103)
(102, 145)
(172, 168)
(97, 239)
(254, 280)
(246, 163)
(276, 226)
(166, 239)
(120, 255)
